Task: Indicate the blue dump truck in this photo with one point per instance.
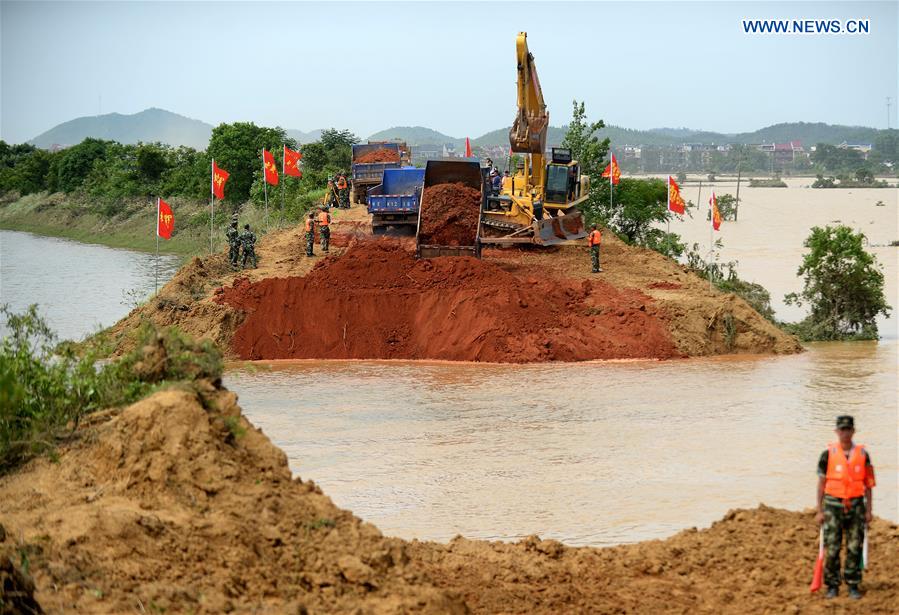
(394, 202)
(367, 174)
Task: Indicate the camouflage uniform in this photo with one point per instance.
(343, 194)
(310, 239)
(248, 241)
(594, 258)
(331, 199)
(325, 231)
(233, 236)
(840, 519)
(837, 521)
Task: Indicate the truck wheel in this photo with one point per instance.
(379, 230)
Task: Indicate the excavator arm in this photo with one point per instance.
(528, 134)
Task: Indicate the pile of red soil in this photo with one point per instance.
(379, 155)
(449, 215)
(377, 301)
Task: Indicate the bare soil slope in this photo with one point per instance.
(204, 299)
(178, 504)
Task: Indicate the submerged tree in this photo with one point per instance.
(843, 286)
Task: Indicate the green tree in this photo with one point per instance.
(581, 137)
(237, 148)
(843, 287)
(152, 161)
(637, 205)
(72, 165)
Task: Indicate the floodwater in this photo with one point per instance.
(590, 453)
(773, 222)
(78, 287)
(587, 453)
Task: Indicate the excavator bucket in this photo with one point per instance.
(564, 227)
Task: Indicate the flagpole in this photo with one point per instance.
(283, 162)
(611, 173)
(699, 194)
(265, 188)
(157, 246)
(212, 205)
(711, 238)
(668, 196)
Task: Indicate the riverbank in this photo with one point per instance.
(178, 504)
(375, 301)
(134, 227)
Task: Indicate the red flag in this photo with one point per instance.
(613, 171)
(467, 148)
(818, 574)
(292, 162)
(675, 200)
(165, 219)
(716, 215)
(268, 165)
(219, 177)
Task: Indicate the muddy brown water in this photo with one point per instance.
(590, 453)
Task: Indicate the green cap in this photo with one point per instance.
(845, 421)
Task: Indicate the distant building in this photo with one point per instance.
(863, 148)
(786, 153)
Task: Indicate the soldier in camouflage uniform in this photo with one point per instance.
(845, 480)
(248, 241)
(310, 234)
(343, 192)
(331, 196)
(233, 236)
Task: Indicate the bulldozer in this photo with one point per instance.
(538, 202)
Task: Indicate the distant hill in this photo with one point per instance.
(160, 125)
(303, 137)
(415, 135)
(147, 126)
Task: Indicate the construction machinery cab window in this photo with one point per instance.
(559, 182)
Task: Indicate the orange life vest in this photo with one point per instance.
(846, 478)
(309, 224)
(324, 218)
(594, 238)
(341, 183)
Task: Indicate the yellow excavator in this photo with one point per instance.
(538, 201)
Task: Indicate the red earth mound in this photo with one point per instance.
(376, 301)
(449, 215)
(379, 155)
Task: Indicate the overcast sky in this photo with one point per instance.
(448, 66)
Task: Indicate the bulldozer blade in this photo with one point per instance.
(551, 231)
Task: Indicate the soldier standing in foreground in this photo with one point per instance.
(233, 236)
(310, 233)
(248, 241)
(845, 479)
(343, 192)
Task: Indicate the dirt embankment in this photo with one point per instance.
(177, 504)
(371, 299)
(384, 154)
(450, 215)
(378, 301)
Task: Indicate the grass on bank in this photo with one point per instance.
(134, 226)
(45, 388)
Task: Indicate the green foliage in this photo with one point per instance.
(862, 178)
(44, 388)
(767, 183)
(835, 159)
(581, 137)
(724, 276)
(843, 287)
(637, 205)
(72, 165)
(727, 207)
(237, 148)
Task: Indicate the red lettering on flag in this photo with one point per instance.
(292, 162)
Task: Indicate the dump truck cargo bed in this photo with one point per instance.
(448, 218)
